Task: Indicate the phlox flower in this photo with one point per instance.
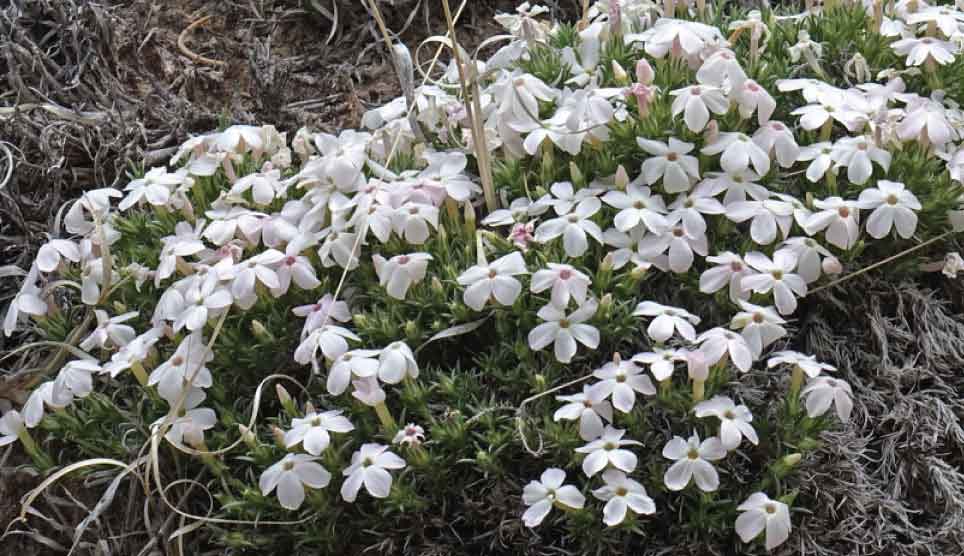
(396, 362)
(76, 379)
(739, 153)
(192, 309)
(760, 514)
(945, 18)
(926, 120)
(760, 326)
(689, 209)
(493, 281)
(858, 154)
(413, 222)
(662, 362)
(696, 102)
(622, 494)
(751, 97)
(331, 340)
(671, 163)
(11, 426)
(248, 274)
(110, 331)
(295, 267)
(692, 462)
(411, 434)
(398, 274)
(447, 170)
(734, 420)
(667, 320)
(186, 364)
(608, 450)
(680, 244)
(44, 396)
(368, 391)
(776, 275)
(573, 227)
(893, 206)
(676, 35)
(823, 391)
(563, 198)
(839, 218)
(738, 186)
(186, 241)
(729, 270)
(821, 160)
(351, 364)
(564, 281)
(766, 218)
(547, 492)
(312, 430)
(807, 363)
(318, 314)
(564, 330)
(291, 475)
(621, 380)
(721, 68)
(718, 342)
(590, 408)
(776, 139)
(189, 426)
(50, 254)
(264, 186)
(637, 205)
(155, 188)
(919, 50)
(370, 467)
(809, 254)
(135, 351)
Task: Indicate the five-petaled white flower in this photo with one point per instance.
(760, 514)
(398, 274)
(590, 407)
(411, 434)
(807, 363)
(893, 207)
(565, 330)
(734, 420)
(312, 430)
(776, 275)
(493, 281)
(291, 475)
(761, 326)
(608, 450)
(824, 391)
(369, 467)
(622, 494)
(693, 462)
(667, 321)
(671, 163)
(573, 227)
(637, 205)
(696, 102)
(622, 380)
(547, 492)
(565, 281)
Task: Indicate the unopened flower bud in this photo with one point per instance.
(248, 436)
(712, 131)
(831, 265)
(644, 97)
(619, 73)
(120, 307)
(607, 263)
(360, 320)
(696, 365)
(437, 285)
(622, 178)
(575, 174)
(540, 382)
(644, 72)
(279, 437)
(792, 459)
(286, 402)
(260, 332)
(615, 17)
(411, 330)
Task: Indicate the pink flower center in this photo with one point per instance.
(403, 259)
(844, 212)
(565, 274)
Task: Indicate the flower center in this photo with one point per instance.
(288, 465)
(831, 383)
(758, 318)
(861, 146)
(672, 157)
(844, 212)
(825, 150)
(688, 203)
(564, 323)
(316, 422)
(736, 267)
(573, 218)
(678, 232)
(770, 508)
(620, 378)
(639, 205)
(777, 126)
(693, 453)
(610, 446)
(753, 87)
(621, 491)
(892, 199)
(367, 463)
(777, 274)
(177, 361)
(738, 179)
(565, 274)
(413, 210)
(289, 260)
(403, 259)
(587, 403)
(695, 91)
(493, 274)
(728, 414)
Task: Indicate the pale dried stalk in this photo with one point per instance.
(470, 92)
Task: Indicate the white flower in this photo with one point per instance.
(447, 169)
(41, 397)
(776, 275)
(412, 435)
(693, 462)
(369, 467)
(264, 186)
(821, 160)
(696, 102)
(669, 34)
(412, 222)
(367, 391)
(573, 228)
(312, 430)
(50, 254)
(637, 205)
(893, 207)
(356, 363)
(189, 426)
(738, 185)
(135, 351)
(721, 67)
(186, 241)
(739, 152)
(493, 281)
(681, 244)
(671, 163)
(689, 209)
(760, 513)
(110, 331)
(291, 475)
(398, 274)
(565, 330)
(607, 450)
(858, 154)
(808, 253)
(751, 97)
(767, 217)
(397, 362)
(761, 326)
(734, 420)
(155, 187)
(27, 300)
(565, 281)
(926, 119)
(840, 220)
(187, 363)
(621, 494)
(75, 379)
(621, 380)
(590, 408)
(730, 269)
(547, 492)
(919, 50)
(317, 314)
(775, 137)
(717, 342)
(200, 302)
(297, 267)
(823, 391)
(807, 363)
(668, 321)
(662, 362)
(11, 426)
(564, 198)
(247, 275)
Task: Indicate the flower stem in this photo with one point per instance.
(699, 390)
(826, 130)
(139, 373)
(831, 181)
(385, 416)
(796, 381)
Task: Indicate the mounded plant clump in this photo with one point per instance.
(546, 301)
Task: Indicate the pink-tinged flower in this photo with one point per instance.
(398, 274)
(858, 154)
(739, 153)
(320, 313)
(751, 97)
(777, 140)
(671, 163)
(840, 219)
(564, 281)
(920, 50)
(738, 186)
(729, 270)
(761, 326)
(411, 434)
(696, 102)
(718, 342)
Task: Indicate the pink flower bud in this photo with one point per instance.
(644, 72)
(712, 131)
(696, 365)
(831, 265)
(644, 97)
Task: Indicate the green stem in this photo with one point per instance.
(36, 453)
(385, 417)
